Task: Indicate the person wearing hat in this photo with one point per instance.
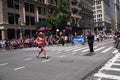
(41, 42)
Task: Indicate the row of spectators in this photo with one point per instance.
(53, 39)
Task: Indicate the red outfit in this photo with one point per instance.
(41, 42)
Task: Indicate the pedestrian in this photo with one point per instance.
(90, 39)
(41, 42)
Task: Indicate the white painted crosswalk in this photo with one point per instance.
(102, 73)
(84, 49)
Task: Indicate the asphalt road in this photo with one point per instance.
(64, 63)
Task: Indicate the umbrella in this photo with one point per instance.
(42, 29)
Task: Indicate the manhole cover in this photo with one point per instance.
(66, 61)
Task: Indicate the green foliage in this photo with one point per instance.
(118, 27)
(61, 18)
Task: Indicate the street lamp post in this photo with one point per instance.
(20, 20)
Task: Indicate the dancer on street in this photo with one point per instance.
(41, 42)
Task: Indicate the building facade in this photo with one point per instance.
(103, 11)
(21, 15)
(117, 14)
(82, 14)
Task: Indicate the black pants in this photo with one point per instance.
(91, 47)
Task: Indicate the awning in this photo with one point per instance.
(42, 23)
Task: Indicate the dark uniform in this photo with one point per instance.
(90, 39)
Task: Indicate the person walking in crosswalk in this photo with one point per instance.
(90, 39)
(41, 42)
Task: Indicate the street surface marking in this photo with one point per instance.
(106, 50)
(3, 64)
(85, 50)
(58, 52)
(111, 69)
(100, 48)
(115, 51)
(79, 49)
(73, 53)
(19, 68)
(88, 49)
(62, 56)
(107, 66)
(117, 64)
(28, 59)
(72, 49)
(46, 60)
(103, 75)
(104, 43)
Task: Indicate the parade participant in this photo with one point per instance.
(41, 42)
(90, 39)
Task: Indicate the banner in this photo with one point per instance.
(78, 39)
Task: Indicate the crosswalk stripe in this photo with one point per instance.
(112, 69)
(106, 50)
(79, 49)
(62, 56)
(117, 64)
(88, 49)
(103, 75)
(71, 49)
(100, 48)
(85, 50)
(115, 51)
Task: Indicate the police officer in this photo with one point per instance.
(90, 39)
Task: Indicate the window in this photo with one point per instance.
(16, 18)
(50, 11)
(26, 7)
(16, 2)
(10, 4)
(99, 11)
(41, 10)
(98, 7)
(32, 8)
(10, 18)
(42, 1)
(32, 20)
(50, 1)
(27, 20)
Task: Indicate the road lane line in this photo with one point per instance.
(106, 50)
(19, 68)
(3, 64)
(28, 59)
(103, 75)
(46, 60)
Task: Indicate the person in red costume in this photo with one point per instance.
(41, 42)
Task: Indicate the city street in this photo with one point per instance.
(64, 63)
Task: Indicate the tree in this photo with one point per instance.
(61, 18)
